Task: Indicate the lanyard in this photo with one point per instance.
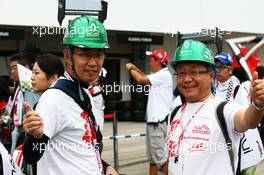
(95, 143)
(189, 121)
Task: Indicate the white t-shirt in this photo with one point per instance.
(226, 89)
(98, 105)
(203, 149)
(160, 95)
(70, 150)
(9, 166)
(243, 94)
(176, 102)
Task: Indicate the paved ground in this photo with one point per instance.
(132, 151)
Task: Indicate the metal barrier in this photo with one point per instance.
(115, 138)
(124, 136)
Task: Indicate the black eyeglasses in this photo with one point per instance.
(221, 67)
(97, 55)
(193, 74)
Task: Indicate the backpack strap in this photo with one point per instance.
(173, 113)
(222, 123)
(72, 89)
(235, 90)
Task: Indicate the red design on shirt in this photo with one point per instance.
(172, 145)
(172, 148)
(87, 137)
(197, 147)
(202, 129)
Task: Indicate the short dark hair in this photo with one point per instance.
(50, 64)
(24, 59)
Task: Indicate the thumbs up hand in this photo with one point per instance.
(27, 107)
(32, 122)
(257, 90)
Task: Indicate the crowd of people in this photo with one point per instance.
(57, 125)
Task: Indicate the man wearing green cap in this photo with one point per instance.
(195, 141)
(62, 132)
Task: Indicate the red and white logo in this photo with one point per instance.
(202, 129)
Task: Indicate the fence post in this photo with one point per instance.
(115, 141)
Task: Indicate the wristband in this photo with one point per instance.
(257, 107)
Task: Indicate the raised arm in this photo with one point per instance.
(137, 74)
(252, 115)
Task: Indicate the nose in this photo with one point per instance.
(12, 71)
(92, 61)
(32, 77)
(187, 77)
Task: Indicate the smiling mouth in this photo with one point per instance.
(189, 87)
(90, 71)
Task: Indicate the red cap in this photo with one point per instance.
(159, 54)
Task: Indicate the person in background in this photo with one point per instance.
(47, 69)
(251, 148)
(226, 87)
(7, 164)
(5, 92)
(158, 106)
(98, 101)
(15, 103)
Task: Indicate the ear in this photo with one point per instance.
(53, 78)
(212, 75)
(66, 56)
(230, 70)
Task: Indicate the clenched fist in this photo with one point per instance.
(32, 122)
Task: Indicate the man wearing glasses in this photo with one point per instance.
(62, 131)
(226, 86)
(195, 141)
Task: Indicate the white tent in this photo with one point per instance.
(167, 16)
